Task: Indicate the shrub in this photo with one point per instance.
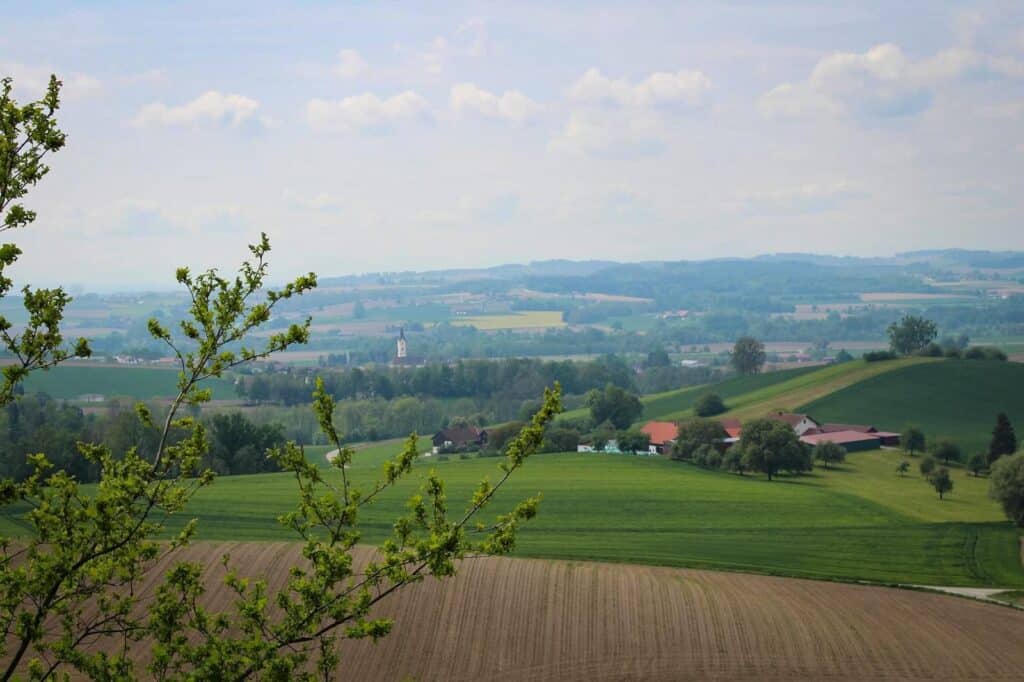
(985, 353)
(1006, 486)
(976, 463)
(879, 355)
(932, 350)
(708, 405)
(927, 465)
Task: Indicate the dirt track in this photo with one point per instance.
(512, 619)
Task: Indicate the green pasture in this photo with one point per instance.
(141, 383)
(956, 399)
(859, 521)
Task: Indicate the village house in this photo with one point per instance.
(459, 437)
(662, 435)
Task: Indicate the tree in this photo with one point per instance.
(615, 405)
(947, 451)
(976, 463)
(748, 355)
(708, 405)
(926, 466)
(912, 440)
(658, 358)
(732, 460)
(843, 356)
(358, 310)
(911, 334)
(696, 433)
(902, 468)
(1006, 486)
(27, 134)
(770, 446)
(828, 452)
(560, 440)
(634, 441)
(1004, 440)
(941, 481)
(70, 584)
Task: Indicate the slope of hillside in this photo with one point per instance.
(955, 399)
(143, 383)
(513, 619)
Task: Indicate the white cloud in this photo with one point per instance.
(32, 81)
(210, 108)
(469, 40)
(882, 81)
(658, 89)
(364, 112)
(469, 100)
(616, 136)
(350, 64)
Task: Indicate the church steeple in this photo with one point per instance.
(401, 343)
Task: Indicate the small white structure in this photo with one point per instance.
(612, 447)
(584, 447)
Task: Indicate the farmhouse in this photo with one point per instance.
(886, 437)
(458, 437)
(851, 441)
(662, 435)
(801, 423)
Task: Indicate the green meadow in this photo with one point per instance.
(141, 383)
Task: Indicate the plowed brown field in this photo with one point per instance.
(513, 619)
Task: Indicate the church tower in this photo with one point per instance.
(401, 343)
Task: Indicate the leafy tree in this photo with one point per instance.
(732, 460)
(707, 456)
(358, 310)
(977, 463)
(634, 440)
(843, 356)
(941, 481)
(696, 433)
(27, 134)
(911, 334)
(913, 440)
(708, 405)
(1004, 440)
(926, 466)
(499, 436)
(560, 440)
(828, 453)
(68, 586)
(770, 446)
(947, 451)
(658, 358)
(902, 468)
(748, 355)
(1006, 486)
(614, 405)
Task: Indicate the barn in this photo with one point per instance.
(851, 441)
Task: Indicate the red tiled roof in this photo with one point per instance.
(661, 432)
(839, 437)
(732, 426)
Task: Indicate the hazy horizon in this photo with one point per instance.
(386, 138)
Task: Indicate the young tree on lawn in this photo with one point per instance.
(828, 453)
(927, 466)
(977, 463)
(770, 446)
(912, 440)
(911, 334)
(1006, 486)
(748, 355)
(902, 468)
(941, 481)
(948, 451)
(696, 433)
(1004, 440)
(708, 405)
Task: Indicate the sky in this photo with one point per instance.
(366, 137)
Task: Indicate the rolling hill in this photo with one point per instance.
(956, 399)
(514, 619)
(70, 381)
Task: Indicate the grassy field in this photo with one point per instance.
(955, 399)
(526, 319)
(859, 521)
(141, 383)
